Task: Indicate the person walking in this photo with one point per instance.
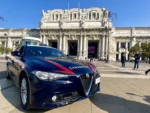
(137, 60)
(123, 60)
(147, 71)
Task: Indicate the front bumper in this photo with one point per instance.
(67, 91)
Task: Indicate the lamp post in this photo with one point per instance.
(2, 20)
(5, 43)
(110, 17)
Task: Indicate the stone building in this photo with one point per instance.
(81, 32)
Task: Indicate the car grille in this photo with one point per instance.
(86, 82)
(94, 88)
(70, 98)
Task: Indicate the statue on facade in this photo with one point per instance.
(81, 23)
(43, 13)
(134, 41)
(61, 23)
(105, 14)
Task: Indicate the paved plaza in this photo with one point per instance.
(123, 90)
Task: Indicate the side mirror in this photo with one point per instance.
(15, 53)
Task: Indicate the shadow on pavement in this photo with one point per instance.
(113, 104)
(11, 94)
(2, 74)
(130, 73)
(146, 98)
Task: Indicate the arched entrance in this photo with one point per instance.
(92, 49)
(52, 43)
(72, 47)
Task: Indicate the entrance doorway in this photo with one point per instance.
(117, 57)
(92, 49)
(52, 43)
(72, 47)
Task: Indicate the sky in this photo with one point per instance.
(28, 13)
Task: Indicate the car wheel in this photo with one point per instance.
(8, 75)
(25, 93)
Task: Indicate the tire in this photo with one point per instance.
(8, 75)
(25, 90)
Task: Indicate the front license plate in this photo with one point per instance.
(97, 80)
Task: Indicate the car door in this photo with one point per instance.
(11, 68)
(18, 65)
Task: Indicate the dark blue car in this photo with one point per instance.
(48, 79)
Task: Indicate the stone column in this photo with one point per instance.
(44, 40)
(41, 37)
(92, 16)
(64, 44)
(119, 53)
(54, 16)
(126, 50)
(126, 45)
(103, 46)
(99, 48)
(69, 16)
(60, 43)
(81, 45)
(51, 16)
(106, 46)
(78, 48)
(9, 43)
(85, 47)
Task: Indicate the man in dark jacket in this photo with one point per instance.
(137, 60)
(123, 60)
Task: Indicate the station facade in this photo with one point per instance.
(81, 32)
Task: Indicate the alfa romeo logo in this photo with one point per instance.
(87, 75)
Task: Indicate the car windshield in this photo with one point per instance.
(32, 42)
(43, 52)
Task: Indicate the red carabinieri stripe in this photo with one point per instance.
(93, 69)
(64, 70)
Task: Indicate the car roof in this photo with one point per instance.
(40, 46)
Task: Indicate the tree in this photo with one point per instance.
(134, 49)
(5, 50)
(145, 48)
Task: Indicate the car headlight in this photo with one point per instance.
(48, 76)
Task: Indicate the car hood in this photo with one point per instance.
(63, 65)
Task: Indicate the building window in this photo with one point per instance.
(94, 15)
(123, 45)
(90, 16)
(53, 17)
(70, 16)
(75, 16)
(56, 16)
